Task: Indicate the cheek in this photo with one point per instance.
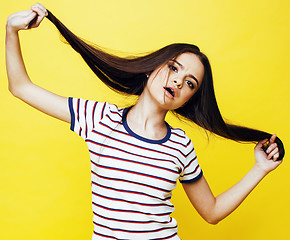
(186, 97)
(188, 94)
(159, 75)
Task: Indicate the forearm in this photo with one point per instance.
(229, 200)
(16, 71)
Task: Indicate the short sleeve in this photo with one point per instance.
(85, 114)
(191, 171)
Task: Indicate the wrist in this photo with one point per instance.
(10, 29)
(260, 172)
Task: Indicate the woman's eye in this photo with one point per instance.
(190, 84)
(173, 68)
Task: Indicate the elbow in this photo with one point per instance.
(212, 221)
(14, 91)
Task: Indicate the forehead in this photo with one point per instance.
(191, 64)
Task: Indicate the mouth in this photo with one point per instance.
(170, 91)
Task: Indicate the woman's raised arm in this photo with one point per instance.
(20, 84)
(214, 209)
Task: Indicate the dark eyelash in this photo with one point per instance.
(173, 68)
(190, 84)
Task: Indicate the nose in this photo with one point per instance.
(178, 83)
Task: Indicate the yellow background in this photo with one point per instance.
(45, 168)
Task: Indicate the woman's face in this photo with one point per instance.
(173, 84)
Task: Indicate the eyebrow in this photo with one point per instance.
(190, 75)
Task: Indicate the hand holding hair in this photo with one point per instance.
(267, 158)
(27, 19)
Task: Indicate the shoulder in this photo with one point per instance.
(178, 135)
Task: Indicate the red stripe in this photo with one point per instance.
(193, 160)
(129, 211)
(135, 203)
(132, 231)
(130, 192)
(85, 112)
(136, 173)
(127, 181)
(127, 221)
(93, 114)
(151, 150)
(131, 161)
(177, 143)
(102, 112)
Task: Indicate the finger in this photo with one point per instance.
(275, 157)
(272, 139)
(260, 143)
(38, 10)
(41, 14)
(271, 147)
(40, 6)
(272, 153)
(26, 13)
(29, 19)
(43, 8)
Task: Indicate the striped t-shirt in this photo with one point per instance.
(132, 176)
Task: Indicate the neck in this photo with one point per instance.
(147, 119)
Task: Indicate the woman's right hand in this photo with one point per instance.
(22, 20)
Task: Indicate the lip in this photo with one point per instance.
(169, 94)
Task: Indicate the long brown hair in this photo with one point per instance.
(128, 75)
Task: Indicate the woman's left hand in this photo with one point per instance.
(267, 161)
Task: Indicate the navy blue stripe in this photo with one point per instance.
(170, 236)
(134, 154)
(174, 129)
(178, 150)
(93, 115)
(192, 171)
(128, 181)
(114, 121)
(99, 234)
(194, 179)
(129, 191)
(190, 162)
(132, 202)
(149, 149)
(86, 129)
(78, 116)
(102, 113)
(115, 130)
(116, 112)
(177, 143)
(189, 152)
(130, 171)
(78, 109)
(135, 231)
(72, 114)
(131, 211)
(131, 221)
(112, 237)
(130, 160)
(189, 141)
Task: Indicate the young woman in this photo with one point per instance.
(136, 157)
